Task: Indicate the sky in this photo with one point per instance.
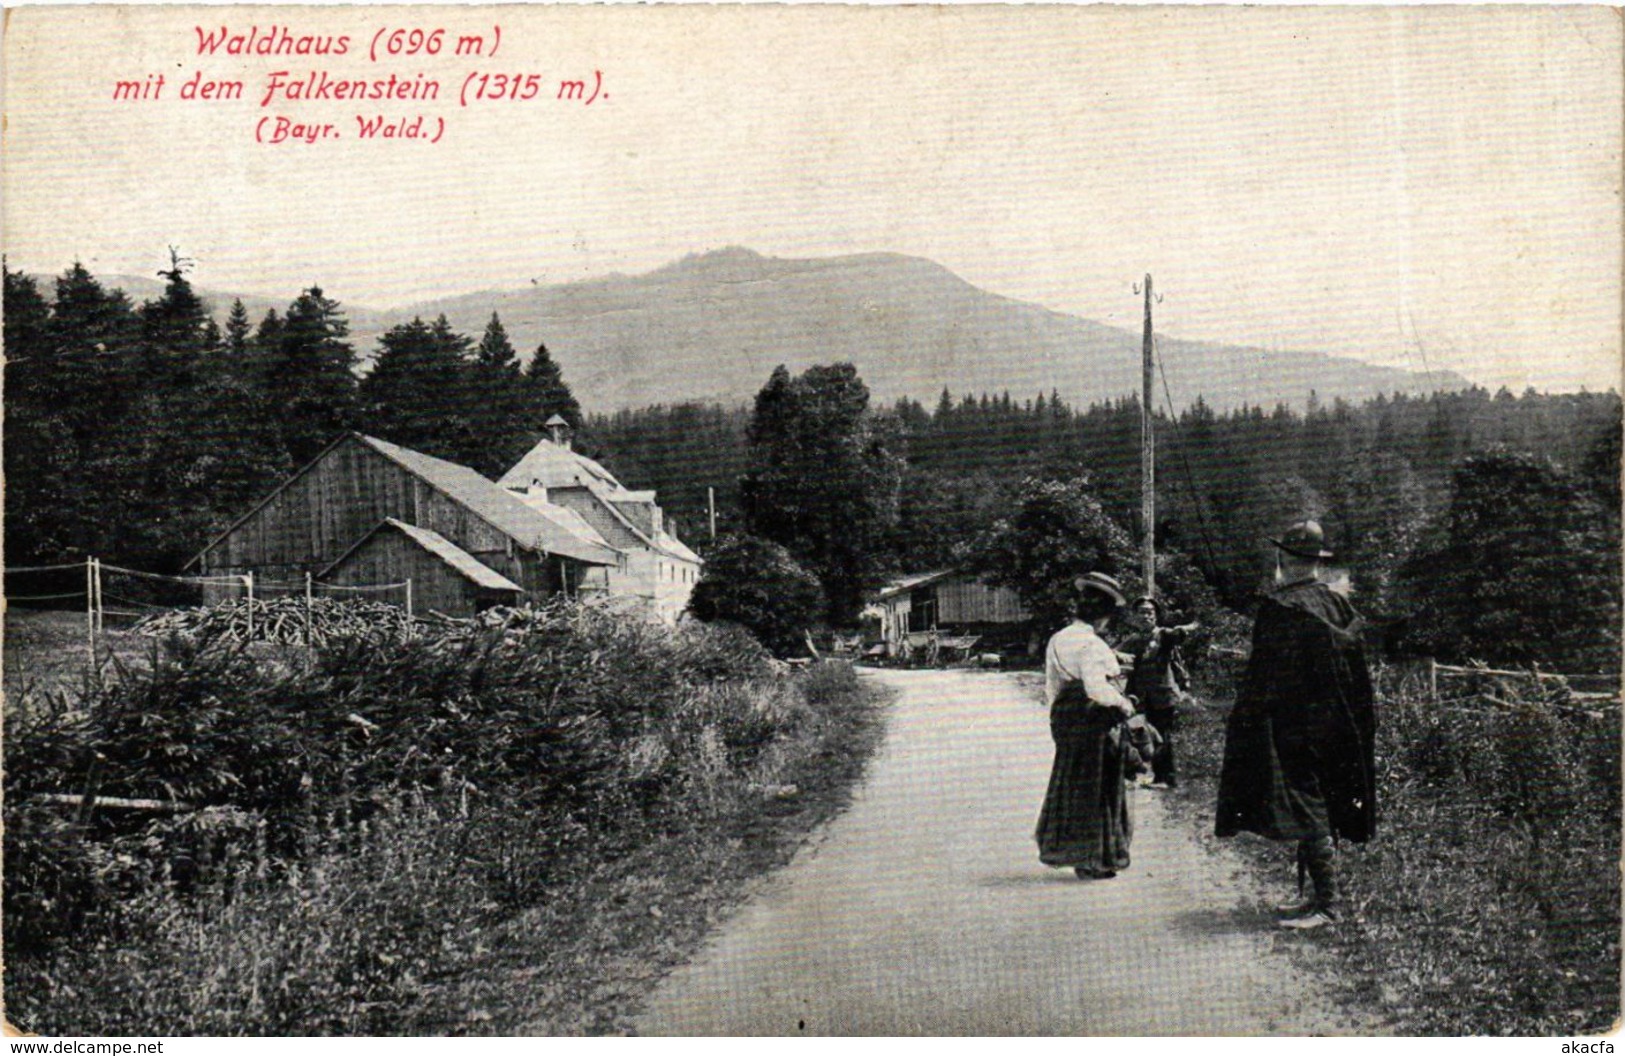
(1424, 187)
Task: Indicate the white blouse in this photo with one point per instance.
(1077, 654)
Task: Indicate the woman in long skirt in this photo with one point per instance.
(1085, 823)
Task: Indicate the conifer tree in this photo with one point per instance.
(310, 374)
(175, 322)
(417, 392)
(500, 396)
(238, 330)
(548, 394)
(39, 445)
(496, 352)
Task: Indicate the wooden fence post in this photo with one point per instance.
(1433, 680)
(90, 609)
(409, 597)
(248, 583)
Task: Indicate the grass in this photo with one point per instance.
(1489, 903)
(48, 651)
(582, 826)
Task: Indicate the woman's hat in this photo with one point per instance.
(1305, 540)
(1102, 582)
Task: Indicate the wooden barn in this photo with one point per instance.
(922, 610)
(332, 519)
(444, 577)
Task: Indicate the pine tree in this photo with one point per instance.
(416, 394)
(176, 321)
(548, 394)
(500, 395)
(496, 352)
(238, 331)
(310, 374)
(27, 332)
(39, 445)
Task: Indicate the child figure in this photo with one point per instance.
(1157, 679)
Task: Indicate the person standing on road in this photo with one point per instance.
(1154, 680)
(1085, 823)
(1298, 745)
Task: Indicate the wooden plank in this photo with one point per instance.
(65, 799)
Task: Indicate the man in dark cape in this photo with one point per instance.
(1298, 747)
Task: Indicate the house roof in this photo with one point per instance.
(461, 561)
(556, 466)
(661, 541)
(563, 515)
(532, 528)
(676, 548)
(914, 582)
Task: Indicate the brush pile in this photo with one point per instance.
(287, 621)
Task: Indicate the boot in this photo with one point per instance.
(1322, 868)
(1305, 902)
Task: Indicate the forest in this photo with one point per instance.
(137, 432)
(1472, 524)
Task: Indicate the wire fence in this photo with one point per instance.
(113, 597)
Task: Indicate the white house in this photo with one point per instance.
(658, 569)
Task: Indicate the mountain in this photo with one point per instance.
(713, 326)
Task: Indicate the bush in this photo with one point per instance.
(759, 586)
(366, 806)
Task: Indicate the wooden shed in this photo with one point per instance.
(444, 578)
(949, 601)
(358, 483)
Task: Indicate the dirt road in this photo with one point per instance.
(924, 909)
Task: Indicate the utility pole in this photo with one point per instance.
(711, 507)
(1148, 461)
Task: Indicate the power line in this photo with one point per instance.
(1184, 458)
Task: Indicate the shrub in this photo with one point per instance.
(371, 810)
(759, 586)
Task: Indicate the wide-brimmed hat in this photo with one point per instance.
(1102, 582)
(1305, 540)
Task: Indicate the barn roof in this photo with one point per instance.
(459, 559)
(530, 528)
(526, 525)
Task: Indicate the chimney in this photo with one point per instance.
(537, 489)
(558, 431)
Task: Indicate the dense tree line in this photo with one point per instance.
(136, 432)
(1395, 481)
(1476, 523)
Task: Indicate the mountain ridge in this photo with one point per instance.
(711, 326)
